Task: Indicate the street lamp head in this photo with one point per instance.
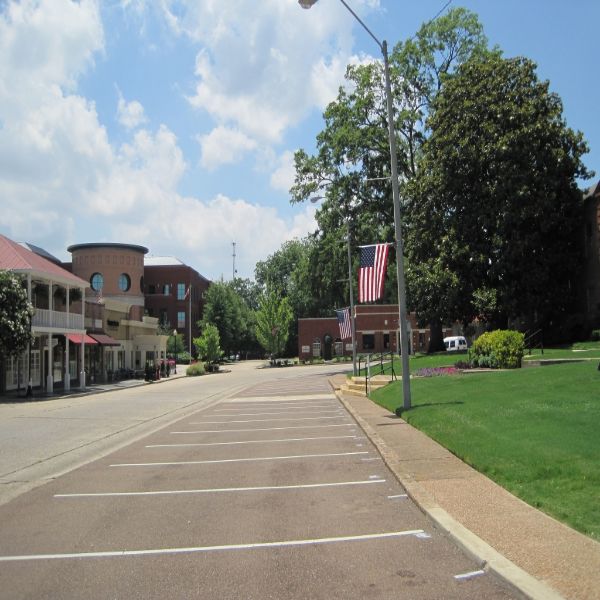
(306, 3)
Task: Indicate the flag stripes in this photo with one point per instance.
(343, 317)
(371, 276)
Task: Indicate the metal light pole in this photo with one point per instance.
(352, 319)
(175, 336)
(396, 198)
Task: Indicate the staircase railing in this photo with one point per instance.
(534, 340)
(375, 364)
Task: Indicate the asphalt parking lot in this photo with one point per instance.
(274, 493)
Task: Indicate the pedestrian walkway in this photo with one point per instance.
(92, 388)
(541, 557)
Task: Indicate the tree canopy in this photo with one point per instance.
(15, 315)
(273, 322)
(495, 212)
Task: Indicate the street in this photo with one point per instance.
(250, 484)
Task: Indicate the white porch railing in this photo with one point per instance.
(59, 320)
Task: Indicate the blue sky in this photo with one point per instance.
(173, 123)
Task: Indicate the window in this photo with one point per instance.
(386, 341)
(181, 291)
(163, 316)
(97, 281)
(141, 283)
(124, 282)
(180, 319)
(339, 348)
(151, 289)
(316, 348)
(166, 289)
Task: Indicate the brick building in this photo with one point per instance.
(166, 284)
(376, 331)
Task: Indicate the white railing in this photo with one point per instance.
(58, 320)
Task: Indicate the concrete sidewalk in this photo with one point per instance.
(539, 556)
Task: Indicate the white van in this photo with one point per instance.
(455, 343)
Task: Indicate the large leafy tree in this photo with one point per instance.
(225, 310)
(495, 210)
(351, 165)
(273, 321)
(15, 315)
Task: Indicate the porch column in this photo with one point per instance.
(67, 377)
(82, 348)
(50, 376)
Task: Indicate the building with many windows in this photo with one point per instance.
(174, 294)
(55, 357)
(115, 309)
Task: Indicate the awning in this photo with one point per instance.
(105, 340)
(76, 338)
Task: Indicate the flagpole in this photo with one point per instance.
(352, 318)
(190, 322)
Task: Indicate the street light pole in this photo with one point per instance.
(402, 316)
(175, 341)
(352, 319)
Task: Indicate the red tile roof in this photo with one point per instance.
(14, 257)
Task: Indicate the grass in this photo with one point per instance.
(534, 431)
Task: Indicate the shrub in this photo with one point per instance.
(195, 369)
(595, 337)
(500, 349)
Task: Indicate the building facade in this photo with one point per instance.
(376, 329)
(174, 294)
(127, 339)
(55, 358)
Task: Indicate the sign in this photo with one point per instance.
(305, 349)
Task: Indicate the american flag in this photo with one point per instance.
(373, 263)
(343, 317)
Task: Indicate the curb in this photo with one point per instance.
(489, 559)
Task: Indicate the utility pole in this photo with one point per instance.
(233, 255)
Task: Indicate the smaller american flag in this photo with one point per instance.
(371, 276)
(343, 317)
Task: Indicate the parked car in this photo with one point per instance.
(455, 343)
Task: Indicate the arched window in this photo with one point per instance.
(97, 281)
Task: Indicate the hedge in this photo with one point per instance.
(500, 349)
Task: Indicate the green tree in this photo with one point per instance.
(225, 309)
(273, 321)
(496, 208)
(15, 316)
(175, 345)
(353, 146)
(208, 344)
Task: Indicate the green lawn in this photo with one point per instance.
(535, 431)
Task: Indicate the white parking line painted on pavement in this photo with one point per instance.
(305, 439)
(231, 460)
(283, 412)
(374, 458)
(303, 486)
(398, 496)
(282, 409)
(266, 420)
(470, 575)
(279, 399)
(266, 428)
(287, 543)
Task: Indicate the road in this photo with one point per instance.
(249, 484)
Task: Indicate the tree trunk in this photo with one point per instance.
(436, 337)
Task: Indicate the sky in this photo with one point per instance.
(173, 123)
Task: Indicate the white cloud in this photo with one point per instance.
(223, 146)
(62, 180)
(282, 177)
(263, 66)
(130, 114)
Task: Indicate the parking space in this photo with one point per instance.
(264, 495)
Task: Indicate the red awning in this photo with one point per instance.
(105, 340)
(76, 338)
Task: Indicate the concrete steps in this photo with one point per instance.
(355, 386)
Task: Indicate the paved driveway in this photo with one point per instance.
(271, 492)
